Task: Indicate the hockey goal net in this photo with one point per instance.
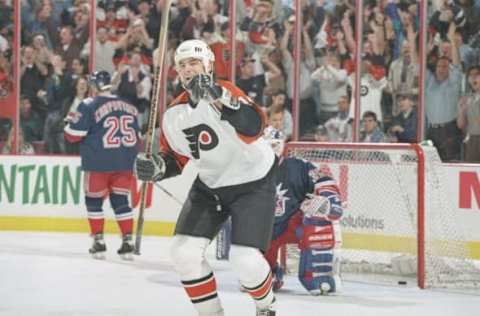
(398, 225)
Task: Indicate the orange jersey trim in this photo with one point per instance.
(180, 99)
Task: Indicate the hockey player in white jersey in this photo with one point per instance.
(217, 127)
(307, 213)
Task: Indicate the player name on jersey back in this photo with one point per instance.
(110, 129)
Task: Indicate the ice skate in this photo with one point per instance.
(270, 310)
(126, 250)
(98, 248)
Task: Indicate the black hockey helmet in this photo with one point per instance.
(101, 80)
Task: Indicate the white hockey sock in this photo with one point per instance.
(254, 274)
(203, 294)
(188, 254)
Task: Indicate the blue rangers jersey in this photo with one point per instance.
(295, 179)
(108, 128)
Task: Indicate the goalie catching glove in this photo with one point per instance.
(203, 87)
(326, 204)
(149, 169)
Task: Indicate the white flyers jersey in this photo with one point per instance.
(221, 155)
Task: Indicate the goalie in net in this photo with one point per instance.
(307, 213)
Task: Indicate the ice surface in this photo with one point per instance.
(53, 274)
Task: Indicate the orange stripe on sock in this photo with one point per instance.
(205, 288)
(263, 290)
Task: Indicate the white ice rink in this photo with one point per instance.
(52, 274)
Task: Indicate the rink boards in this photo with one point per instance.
(46, 194)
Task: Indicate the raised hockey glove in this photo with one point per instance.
(199, 86)
(149, 169)
(203, 86)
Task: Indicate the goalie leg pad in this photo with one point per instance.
(318, 266)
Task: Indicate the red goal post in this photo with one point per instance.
(398, 223)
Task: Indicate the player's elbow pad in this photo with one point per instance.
(246, 120)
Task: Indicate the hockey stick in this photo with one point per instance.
(152, 118)
(173, 197)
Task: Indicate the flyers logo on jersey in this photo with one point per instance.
(200, 137)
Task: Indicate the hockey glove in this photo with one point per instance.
(202, 86)
(199, 86)
(326, 205)
(149, 169)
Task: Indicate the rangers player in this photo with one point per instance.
(217, 127)
(107, 129)
(307, 213)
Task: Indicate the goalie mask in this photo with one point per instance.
(275, 138)
(195, 49)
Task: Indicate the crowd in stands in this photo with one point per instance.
(56, 47)
(6, 82)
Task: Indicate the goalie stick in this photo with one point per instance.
(152, 118)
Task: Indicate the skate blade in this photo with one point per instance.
(126, 256)
(98, 256)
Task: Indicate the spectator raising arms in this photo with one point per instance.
(59, 91)
(104, 52)
(442, 91)
(468, 119)
(133, 83)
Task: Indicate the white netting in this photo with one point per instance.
(379, 227)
